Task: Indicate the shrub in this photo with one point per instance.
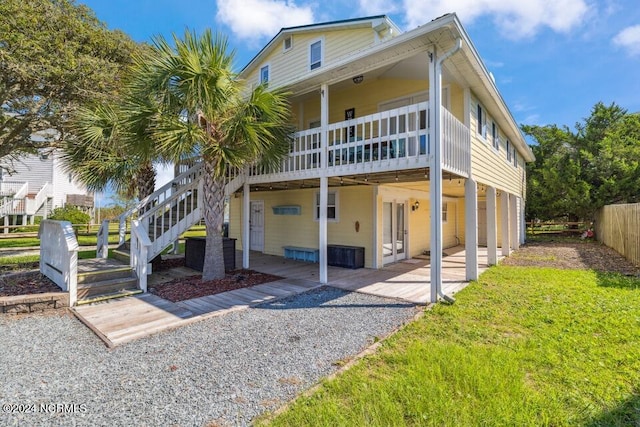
(71, 214)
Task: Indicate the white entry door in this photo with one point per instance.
(394, 232)
(256, 226)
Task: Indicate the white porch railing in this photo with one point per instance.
(59, 256)
(140, 245)
(456, 155)
(396, 139)
(13, 188)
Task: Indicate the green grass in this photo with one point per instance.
(520, 347)
(26, 259)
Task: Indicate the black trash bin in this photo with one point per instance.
(194, 253)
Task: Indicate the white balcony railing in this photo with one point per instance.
(390, 140)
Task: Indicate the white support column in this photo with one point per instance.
(523, 223)
(6, 224)
(504, 223)
(471, 228)
(322, 228)
(514, 216)
(435, 175)
(246, 224)
(324, 122)
(492, 229)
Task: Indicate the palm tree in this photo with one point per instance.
(192, 103)
(102, 154)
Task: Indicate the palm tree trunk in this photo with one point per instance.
(213, 200)
(145, 180)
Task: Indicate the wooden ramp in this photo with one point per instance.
(123, 320)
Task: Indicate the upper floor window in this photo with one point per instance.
(494, 136)
(509, 154)
(515, 157)
(482, 122)
(315, 55)
(264, 75)
(287, 44)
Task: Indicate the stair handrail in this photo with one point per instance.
(41, 197)
(59, 255)
(140, 244)
(102, 244)
(22, 192)
(140, 206)
(168, 202)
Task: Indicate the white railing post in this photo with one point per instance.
(102, 245)
(59, 256)
(140, 245)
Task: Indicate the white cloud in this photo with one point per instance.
(515, 18)
(629, 39)
(378, 7)
(254, 19)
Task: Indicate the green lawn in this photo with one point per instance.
(24, 259)
(520, 347)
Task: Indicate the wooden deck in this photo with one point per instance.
(119, 321)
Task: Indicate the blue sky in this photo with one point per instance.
(552, 59)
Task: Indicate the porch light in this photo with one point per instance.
(415, 206)
(358, 79)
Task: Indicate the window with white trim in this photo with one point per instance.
(444, 212)
(264, 75)
(495, 136)
(332, 206)
(481, 125)
(509, 153)
(315, 55)
(515, 157)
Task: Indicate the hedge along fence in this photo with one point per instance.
(618, 226)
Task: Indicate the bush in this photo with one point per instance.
(71, 214)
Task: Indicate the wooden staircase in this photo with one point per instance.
(105, 279)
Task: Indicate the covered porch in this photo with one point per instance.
(407, 280)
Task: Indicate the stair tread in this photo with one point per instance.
(108, 282)
(109, 295)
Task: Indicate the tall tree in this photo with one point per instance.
(575, 173)
(192, 103)
(54, 56)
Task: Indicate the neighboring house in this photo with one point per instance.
(36, 185)
(392, 128)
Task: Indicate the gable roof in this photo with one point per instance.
(377, 21)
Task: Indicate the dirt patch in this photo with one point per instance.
(19, 267)
(26, 283)
(571, 254)
(193, 286)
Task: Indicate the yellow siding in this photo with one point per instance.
(354, 204)
(367, 97)
(490, 166)
(285, 67)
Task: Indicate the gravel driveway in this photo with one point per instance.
(221, 371)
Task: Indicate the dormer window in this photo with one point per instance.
(315, 55)
(287, 44)
(264, 75)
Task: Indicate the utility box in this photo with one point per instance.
(345, 256)
(194, 253)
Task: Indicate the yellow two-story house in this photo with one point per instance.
(405, 147)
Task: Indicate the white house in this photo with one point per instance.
(35, 185)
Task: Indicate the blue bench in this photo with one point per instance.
(302, 254)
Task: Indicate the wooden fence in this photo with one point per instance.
(618, 226)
